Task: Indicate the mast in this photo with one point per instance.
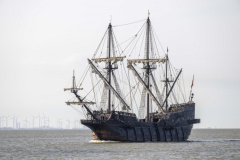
(148, 67)
(109, 65)
(73, 82)
(75, 90)
(172, 87)
(166, 84)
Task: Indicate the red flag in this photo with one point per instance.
(167, 49)
(192, 83)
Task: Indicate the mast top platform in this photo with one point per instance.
(133, 61)
(114, 59)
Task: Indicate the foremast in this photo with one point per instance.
(111, 64)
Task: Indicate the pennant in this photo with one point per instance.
(192, 83)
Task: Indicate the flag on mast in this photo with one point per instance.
(192, 83)
(167, 49)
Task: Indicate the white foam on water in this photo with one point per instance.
(102, 141)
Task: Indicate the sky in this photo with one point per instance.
(41, 42)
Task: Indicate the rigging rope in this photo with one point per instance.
(129, 23)
(99, 44)
(83, 77)
(158, 40)
(91, 90)
(134, 39)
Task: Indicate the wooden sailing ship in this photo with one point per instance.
(155, 114)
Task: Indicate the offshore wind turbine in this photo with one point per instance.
(1, 120)
(39, 121)
(68, 124)
(33, 118)
(76, 124)
(7, 121)
(26, 122)
(48, 122)
(15, 122)
(59, 123)
(44, 121)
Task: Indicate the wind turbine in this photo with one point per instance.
(39, 121)
(33, 118)
(7, 121)
(17, 123)
(1, 120)
(13, 120)
(59, 123)
(26, 122)
(76, 124)
(68, 124)
(48, 122)
(44, 121)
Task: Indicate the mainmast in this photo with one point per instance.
(166, 83)
(109, 64)
(148, 67)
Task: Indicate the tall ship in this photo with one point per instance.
(131, 92)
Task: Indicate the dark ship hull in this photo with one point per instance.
(122, 126)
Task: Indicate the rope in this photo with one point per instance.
(83, 76)
(100, 44)
(129, 23)
(158, 40)
(91, 90)
(134, 39)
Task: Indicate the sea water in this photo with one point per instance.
(78, 144)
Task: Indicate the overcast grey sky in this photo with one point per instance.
(41, 42)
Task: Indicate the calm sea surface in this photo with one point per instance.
(78, 144)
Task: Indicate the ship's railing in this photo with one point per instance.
(93, 121)
(124, 113)
(114, 112)
(179, 107)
